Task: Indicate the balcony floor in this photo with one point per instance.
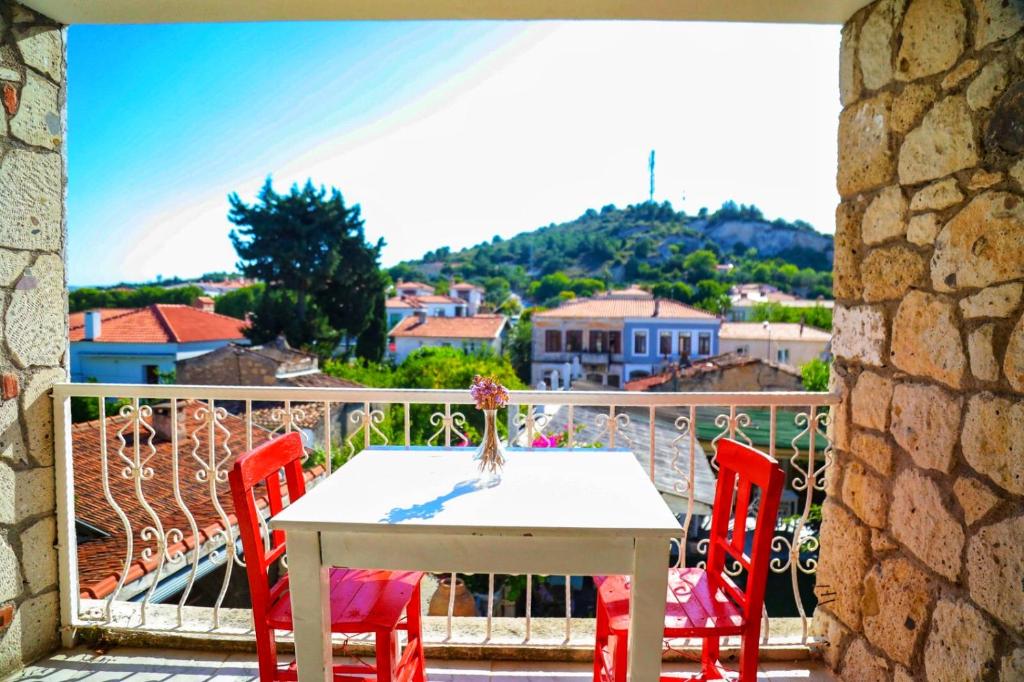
(164, 665)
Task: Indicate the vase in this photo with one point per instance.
(465, 604)
(491, 453)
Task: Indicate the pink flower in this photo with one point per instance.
(488, 393)
(545, 442)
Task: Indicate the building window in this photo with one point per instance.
(783, 355)
(665, 343)
(613, 380)
(614, 342)
(704, 344)
(742, 350)
(151, 373)
(598, 342)
(640, 342)
(552, 341)
(439, 312)
(685, 344)
(574, 340)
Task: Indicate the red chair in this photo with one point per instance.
(701, 603)
(362, 601)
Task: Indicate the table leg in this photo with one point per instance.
(647, 608)
(309, 583)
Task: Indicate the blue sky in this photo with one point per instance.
(446, 133)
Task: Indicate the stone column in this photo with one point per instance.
(922, 559)
(34, 331)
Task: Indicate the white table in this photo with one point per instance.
(557, 512)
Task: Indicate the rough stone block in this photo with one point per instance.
(885, 217)
(850, 84)
(38, 555)
(30, 200)
(997, 301)
(937, 196)
(875, 450)
(39, 618)
(962, 72)
(987, 86)
(860, 665)
(942, 144)
(42, 48)
(36, 325)
(982, 179)
(8, 513)
(995, 571)
(10, 68)
(831, 633)
(926, 423)
(923, 229)
(10, 576)
(919, 519)
(34, 492)
(846, 278)
(860, 334)
(896, 601)
(865, 158)
(1003, 130)
(961, 644)
(874, 47)
(870, 400)
(932, 38)
(993, 440)
(888, 273)
(843, 563)
(864, 493)
(975, 498)
(979, 349)
(882, 542)
(1012, 667)
(926, 338)
(909, 104)
(997, 19)
(38, 121)
(37, 408)
(1013, 364)
(1017, 170)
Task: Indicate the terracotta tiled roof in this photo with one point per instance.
(412, 285)
(712, 364)
(160, 323)
(318, 380)
(779, 331)
(475, 327)
(100, 561)
(625, 306)
(465, 286)
(419, 301)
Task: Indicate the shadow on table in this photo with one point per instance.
(427, 510)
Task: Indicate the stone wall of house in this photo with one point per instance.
(227, 366)
(33, 326)
(922, 567)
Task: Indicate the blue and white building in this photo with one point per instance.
(620, 336)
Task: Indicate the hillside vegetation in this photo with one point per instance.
(647, 243)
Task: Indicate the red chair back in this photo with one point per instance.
(741, 469)
(264, 465)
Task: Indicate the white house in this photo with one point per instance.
(136, 345)
(784, 343)
(413, 289)
(432, 305)
(745, 297)
(470, 293)
(467, 333)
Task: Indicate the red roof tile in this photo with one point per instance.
(160, 323)
(624, 304)
(474, 327)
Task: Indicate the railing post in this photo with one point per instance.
(67, 545)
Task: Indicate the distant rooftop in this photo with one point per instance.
(475, 327)
(625, 303)
(778, 331)
(415, 302)
(159, 323)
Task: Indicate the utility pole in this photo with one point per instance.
(650, 165)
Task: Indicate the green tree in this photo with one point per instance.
(520, 347)
(311, 249)
(814, 375)
(700, 265)
(373, 341)
(240, 302)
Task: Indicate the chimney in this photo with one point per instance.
(421, 317)
(93, 324)
(162, 427)
(657, 307)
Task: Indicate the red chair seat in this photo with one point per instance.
(691, 610)
(361, 600)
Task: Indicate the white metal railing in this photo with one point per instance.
(163, 494)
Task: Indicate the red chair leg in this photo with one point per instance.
(709, 656)
(600, 640)
(749, 647)
(266, 652)
(386, 659)
(620, 656)
(414, 620)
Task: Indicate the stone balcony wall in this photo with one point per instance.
(33, 326)
(923, 541)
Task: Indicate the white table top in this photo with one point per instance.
(543, 492)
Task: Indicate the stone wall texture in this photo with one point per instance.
(33, 324)
(923, 578)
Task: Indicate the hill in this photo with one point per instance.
(645, 243)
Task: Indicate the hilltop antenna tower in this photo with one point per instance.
(650, 165)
